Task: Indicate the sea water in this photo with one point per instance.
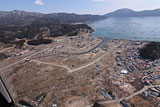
(132, 28)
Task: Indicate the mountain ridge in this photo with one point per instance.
(125, 12)
(18, 17)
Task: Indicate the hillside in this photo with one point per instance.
(31, 25)
(131, 13)
(8, 34)
(150, 51)
(17, 17)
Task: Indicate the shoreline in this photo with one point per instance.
(105, 37)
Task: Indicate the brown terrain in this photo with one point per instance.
(65, 73)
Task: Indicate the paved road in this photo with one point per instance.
(104, 102)
(4, 68)
(90, 50)
(82, 67)
(98, 59)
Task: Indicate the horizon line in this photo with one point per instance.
(78, 13)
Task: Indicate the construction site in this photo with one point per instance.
(79, 71)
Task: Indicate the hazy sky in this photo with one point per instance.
(77, 6)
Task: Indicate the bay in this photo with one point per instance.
(132, 28)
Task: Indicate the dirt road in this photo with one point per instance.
(6, 67)
(132, 95)
(85, 66)
(6, 49)
(51, 64)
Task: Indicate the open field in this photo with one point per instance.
(66, 73)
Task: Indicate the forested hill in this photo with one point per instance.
(17, 17)
(8, 34)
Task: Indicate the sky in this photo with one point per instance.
(99, 7)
